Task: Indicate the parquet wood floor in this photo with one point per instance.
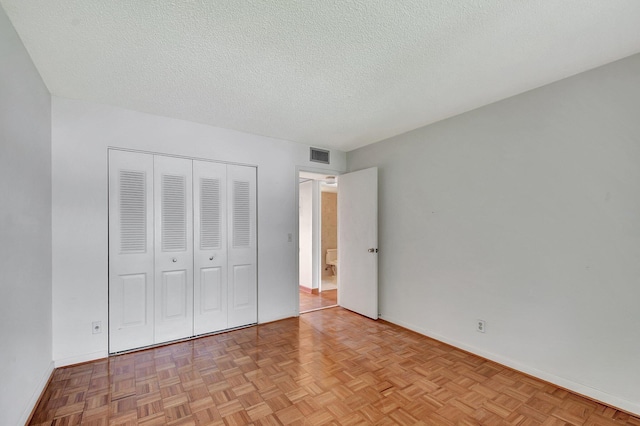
(325, 367)
(324, 299)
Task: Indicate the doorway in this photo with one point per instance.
(317, 241)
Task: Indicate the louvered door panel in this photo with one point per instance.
(131, 254)
(241, 204)
(132, 206)
(173, 248)
(210, 208)
(242, 280)
(210, 246)
(174, 213)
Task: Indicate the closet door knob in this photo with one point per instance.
(211, 257)
(174, 260)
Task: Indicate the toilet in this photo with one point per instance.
(332, 260)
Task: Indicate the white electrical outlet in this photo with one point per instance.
(481, 326)
(96, 327)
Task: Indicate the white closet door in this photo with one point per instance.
(242, 280)
(131, 253)
(210, 247)
(173, 248)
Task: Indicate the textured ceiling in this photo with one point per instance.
(330, 73)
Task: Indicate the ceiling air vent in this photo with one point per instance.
(319, 155)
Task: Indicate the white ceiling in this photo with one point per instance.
(330, 73)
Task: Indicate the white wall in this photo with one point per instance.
(524, 213)
(82, 132)
(25, 230)
(316, 238)
(305, 234)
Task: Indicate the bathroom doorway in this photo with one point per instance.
(317, 241)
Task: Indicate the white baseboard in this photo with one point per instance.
(78, 359)
(579, 388)
(35, 397)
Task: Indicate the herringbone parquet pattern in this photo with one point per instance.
(326, 367)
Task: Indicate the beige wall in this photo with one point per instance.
(329, 227)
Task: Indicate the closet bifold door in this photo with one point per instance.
(210, 247)
(131, 253)
(173, 248)
(242, 246)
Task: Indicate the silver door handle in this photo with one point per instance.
(212, 256)
(373, 250)
(174, 260)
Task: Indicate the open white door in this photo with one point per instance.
(358, 242)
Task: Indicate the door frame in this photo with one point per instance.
(296, 233)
